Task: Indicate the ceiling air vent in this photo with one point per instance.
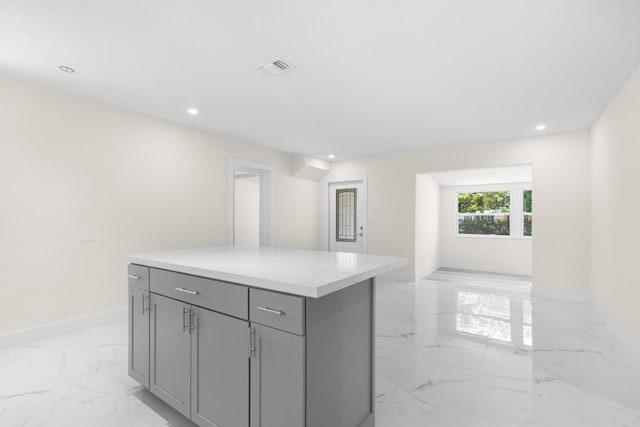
(275, 67)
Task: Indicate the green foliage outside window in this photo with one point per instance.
(488, 213)
(497, 225)
(528, 201)
(528, 208)
(528, 221)
(492, 204)
(493, 201)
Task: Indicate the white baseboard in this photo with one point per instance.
(45, 332)
(561, 295)
(618, 329)
(406, 276)
(486, 269)
(424, 273)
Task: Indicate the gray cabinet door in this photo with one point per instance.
(170, 352)
(277, 379)
(139, 335)
(219, 370)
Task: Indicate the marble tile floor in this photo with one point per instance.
(475, 349)
(454, 349)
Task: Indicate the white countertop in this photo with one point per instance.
(295, 271)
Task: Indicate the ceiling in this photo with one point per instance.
(504, 175)
(371, 76)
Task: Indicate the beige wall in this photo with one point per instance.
(70, 167)
(485, 253)
(427, 251)
(615, 154)
(560, 163)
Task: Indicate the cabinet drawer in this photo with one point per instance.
(138, 276)
(223, 297)
(280, 311)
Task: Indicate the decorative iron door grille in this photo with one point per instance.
(346, 215)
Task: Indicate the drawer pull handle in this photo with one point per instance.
(271, 310)
(187, 291)
(133, 276)
(143, 306)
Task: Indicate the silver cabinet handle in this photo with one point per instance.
(192, 320)
(271, 310)
(184, 321)
(143, 306)
(252, 342)
(187, 291)
(133, 276)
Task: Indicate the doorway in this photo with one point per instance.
(246, 209)
(249, 203)
(347, 216)
(475, 219)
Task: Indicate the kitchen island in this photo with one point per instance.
(260, 337)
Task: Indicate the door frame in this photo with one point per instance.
(326, 234)
(266, 196)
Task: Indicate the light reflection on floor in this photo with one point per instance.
(485, 315)
(475, 349)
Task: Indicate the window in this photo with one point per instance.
(495, 213)
(484, 213)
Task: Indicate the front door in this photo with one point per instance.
(347, 217)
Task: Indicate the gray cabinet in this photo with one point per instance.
(279, 311)
(199, 362)
(138, 363)
(219, 370)
(227, 355)
(313, 360)
(139, 335)
(171, 352)
(223, 297)
(277, 378)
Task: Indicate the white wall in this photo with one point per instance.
(246, 210)
(615, 183)
(561, 248)
(485, 253)
(427, 251)
(71, 166)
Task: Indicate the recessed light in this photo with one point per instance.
(192, 111)
(331, 156)
(66, 69)
(541, 127)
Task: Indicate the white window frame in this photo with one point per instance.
(516, 215)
